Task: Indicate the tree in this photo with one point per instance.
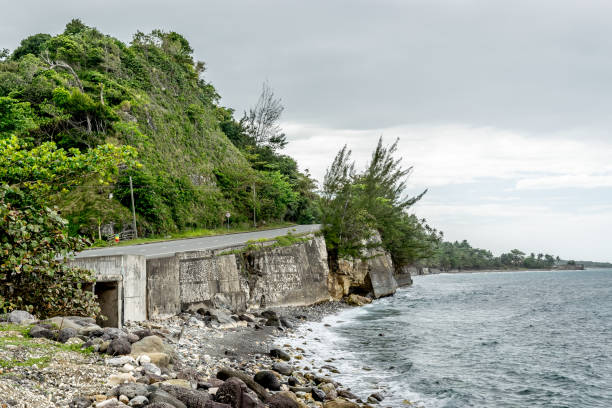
(261, 122)
(33, 238)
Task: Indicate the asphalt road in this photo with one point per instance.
(166, 248)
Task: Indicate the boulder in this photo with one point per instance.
(357, 300)
(376, 396)
(20, 317)
(74, 322)
(234, 392)
(221, 316)
(329, 390)
(290, 395)
(281, 401)
(149, 344)
(190, 397)
(340, 403)
(273, 321)
(213, 404)
(160, 405)
(130, 390)
(268, 380)
(119, 347)
(150, 368)
(162, 396)
(142, 333)
(269, 314)
(317, 394)
(41, 332)
(114, 333)
(346, 394)
(286, 322)
(139, 401)
(65, 334)
(283, 368)
(278, 353)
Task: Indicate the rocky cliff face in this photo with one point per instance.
(370, 274)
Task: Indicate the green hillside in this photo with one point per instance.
(82, 88)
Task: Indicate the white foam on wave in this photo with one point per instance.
(321, 344)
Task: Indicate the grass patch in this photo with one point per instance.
(269, 243)
(39, 361)
(196, 233)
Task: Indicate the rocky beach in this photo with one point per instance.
(209, 358)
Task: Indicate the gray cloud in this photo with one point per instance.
(531, 66)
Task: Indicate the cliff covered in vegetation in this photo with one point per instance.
(81, 89)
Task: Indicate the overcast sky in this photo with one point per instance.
(502, 107)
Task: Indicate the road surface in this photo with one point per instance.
(168, 248)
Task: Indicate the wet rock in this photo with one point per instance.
(247, 318)
(340, 403)
(292, 381)
(41, 332)
(80, 402)
(282, 368)
(213, 404)
(329, 390)
(278, 353)
(346, 394)
(268, 380)
(119, 346)
(286, 322)
(356, 300)
(317, 394)
(163, 396)
(273, 321)
(65, 334)
(376, 396)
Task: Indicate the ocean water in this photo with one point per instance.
(520, 339)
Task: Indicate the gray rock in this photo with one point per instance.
(66, 334)
(132, 338)
(376, 396)
(317, 394)
(114, 333)
(119, 347)
(273, 321)
(221, 316)
(151, 368)
(80, 402)
(281, 401)
(41, 332)
(20, 317)
(283, 368)
(163, 396)
(269, 314)
(139, 401)
(189, 397)
(278, 353)
(213, 404)
(130, 390)
(160, 405)
(268, 380)
(286, 322)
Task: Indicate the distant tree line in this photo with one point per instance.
(461, 255)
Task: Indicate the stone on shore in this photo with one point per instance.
(283, 368)
(278, 353)
(268, 380)
(119, 346)
(357, 300)
(20, 317)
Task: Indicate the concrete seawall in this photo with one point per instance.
(132, 287)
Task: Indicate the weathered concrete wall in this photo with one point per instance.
(132, 269)
(295, 275)
(163, 289)
(202, 275)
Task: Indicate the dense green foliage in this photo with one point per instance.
(33, 238)
(355, 206)
(81, 89)
(461, 255)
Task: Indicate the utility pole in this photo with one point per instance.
(133, 210)
(254, 207)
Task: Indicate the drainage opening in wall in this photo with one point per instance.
(108, 297)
